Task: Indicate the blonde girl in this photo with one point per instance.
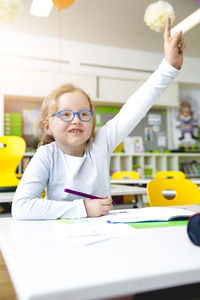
(72, 156)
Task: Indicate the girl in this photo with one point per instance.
(72, 156)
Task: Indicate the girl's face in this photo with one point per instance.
(72, 136)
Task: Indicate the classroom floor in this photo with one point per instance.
(7, 291)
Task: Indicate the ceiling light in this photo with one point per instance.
(41, 8)
(188, 23)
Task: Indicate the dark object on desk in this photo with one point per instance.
(193, 229)
(183, 292)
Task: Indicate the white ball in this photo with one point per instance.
(10, 10)
(157, 13)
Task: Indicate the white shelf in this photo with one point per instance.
(153, 161)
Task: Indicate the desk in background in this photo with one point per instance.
(6, 197)
(144, 181)
(130, 181)
(116, 190)
(41, 268)
(122, 190)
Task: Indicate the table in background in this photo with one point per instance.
(130, 181)
(116, 190)
(42, 268)
(144, 181)
(122, 190)
(6, 197)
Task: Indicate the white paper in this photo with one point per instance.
(87, 233)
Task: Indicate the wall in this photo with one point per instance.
(139, 130)
(23, 50)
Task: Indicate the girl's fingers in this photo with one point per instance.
(167, 33)
(107, 201)
(177, 38)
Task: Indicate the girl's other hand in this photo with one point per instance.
(98, 207)
(173, 46)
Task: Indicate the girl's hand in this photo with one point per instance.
(97, 207)
(173, 46)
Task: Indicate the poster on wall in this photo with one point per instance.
(185, 124)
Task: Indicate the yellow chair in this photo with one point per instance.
(168, 192)
(125, 175)
(12, 149)
(169, 175)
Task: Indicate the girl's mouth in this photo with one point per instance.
(75, 131)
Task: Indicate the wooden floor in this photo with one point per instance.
(6, 289)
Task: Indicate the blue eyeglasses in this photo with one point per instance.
(69, 115)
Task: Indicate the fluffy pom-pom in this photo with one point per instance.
(157, 13)
(10, 10)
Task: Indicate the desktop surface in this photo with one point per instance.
(43, 268)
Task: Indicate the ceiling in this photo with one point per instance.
(116, 23)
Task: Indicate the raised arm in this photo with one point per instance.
(142, 100)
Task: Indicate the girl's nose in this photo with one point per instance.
(76, 119)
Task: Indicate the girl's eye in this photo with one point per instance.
(84, 114)
(66, 114)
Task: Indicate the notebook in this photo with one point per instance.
(149, 214)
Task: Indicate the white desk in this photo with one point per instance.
(42, 269)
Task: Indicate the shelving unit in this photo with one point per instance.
(149, 162)
(153, 162)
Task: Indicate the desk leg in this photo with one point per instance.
(138, 201)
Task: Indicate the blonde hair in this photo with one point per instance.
(49, 107)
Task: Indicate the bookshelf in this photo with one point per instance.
(150, 163)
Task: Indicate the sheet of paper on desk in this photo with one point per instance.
(87, 233)
(148, 214)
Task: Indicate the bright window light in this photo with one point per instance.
(41, 8)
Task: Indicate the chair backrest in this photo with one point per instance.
(168, 192)
(125, 175)
(12, 149)
(169, 174)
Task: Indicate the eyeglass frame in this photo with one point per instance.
(74, 113)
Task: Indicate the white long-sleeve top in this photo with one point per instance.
(55, 170)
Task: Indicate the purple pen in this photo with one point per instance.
(81, 194)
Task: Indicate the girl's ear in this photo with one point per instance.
(45, 125)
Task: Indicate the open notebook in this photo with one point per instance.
(149, 214)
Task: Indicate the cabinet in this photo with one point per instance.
(149, 163)
(37, 83)
(119, 90)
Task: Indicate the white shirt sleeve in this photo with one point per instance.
(27, 203)
(138, 104)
